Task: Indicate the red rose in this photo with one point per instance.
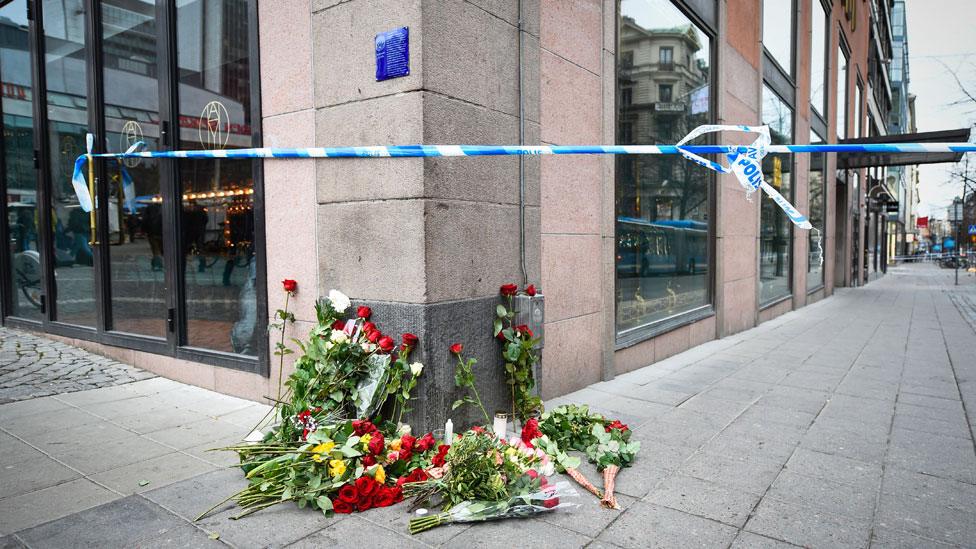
(426, 442)
(373, 336)
(366, 486)
(543, 481)
(550, 503)
(530, 290)
(615, 424)
(523, 330)
(362, 426)
(364, 312)
(410, 340)
(457, 348)
(386, 344)
(397, 494)
(340, 507)
(438, 460)
(405, 454)
(500, 335)
(364, 504)
(508, 289)
(368, 327)
(289, 285)
(532, 473)
(417, 475)
(530, 431)
(368, 461)
(384, 497)
(339, 325)
(348, 494)
(377, 444)
(407, 442)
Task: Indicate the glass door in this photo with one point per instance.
(65, 128)
(20, 256)
(137, 284)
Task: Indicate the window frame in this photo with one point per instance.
(703, 13)
(790, 278)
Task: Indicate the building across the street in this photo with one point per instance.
(639, 257)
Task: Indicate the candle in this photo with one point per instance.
(448, 432)
(500, 425)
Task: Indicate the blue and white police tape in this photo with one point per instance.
(745, 161)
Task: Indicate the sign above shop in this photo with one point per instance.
(392, 54)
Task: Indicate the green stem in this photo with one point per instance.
(281, 357)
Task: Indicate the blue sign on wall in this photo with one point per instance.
(972, 229)
(392, 54)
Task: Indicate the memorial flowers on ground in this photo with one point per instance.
(335, 440)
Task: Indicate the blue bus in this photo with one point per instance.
(654, 248)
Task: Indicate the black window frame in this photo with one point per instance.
(818, 120)
(175, 345)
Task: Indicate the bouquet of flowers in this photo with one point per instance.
(534, 497)
(483, 477)
(606, 443)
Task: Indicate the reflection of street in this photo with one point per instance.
(644, 299)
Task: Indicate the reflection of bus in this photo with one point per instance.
(650, 248)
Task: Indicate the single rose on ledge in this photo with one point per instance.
(364, 312)
(290, 285)
(530, 290)
(386, 344)
(410, 340)
(457, 348)
(509, 289)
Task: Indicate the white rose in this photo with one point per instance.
(338, 336)
(416, 368)
(340, 302)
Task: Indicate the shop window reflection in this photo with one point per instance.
(662, 231)
(775, 229)
(815, 240)
(217, 203)
(18, 176)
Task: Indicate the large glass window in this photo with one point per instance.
(662, 203)
(67, 126)
(842, 80)
(777, 32)
(775, 228)
(137, 282)
(18, 177)
(816, 215)
(818, 60)
(217, 214)
(859, 109)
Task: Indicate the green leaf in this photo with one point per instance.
(500, 311)
(497, 325)
(457, 404)
(286, 495)
(143, 483)
(324, 503)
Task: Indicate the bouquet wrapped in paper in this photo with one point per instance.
(538, 497)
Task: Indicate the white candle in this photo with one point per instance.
(500, 425)
(448, 432)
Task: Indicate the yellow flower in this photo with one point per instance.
(320, 452)
(510, 451)
(365, 440)
(395, 445)
(380, 475)
(336, 468)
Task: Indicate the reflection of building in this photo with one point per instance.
(901, 181)
(663, 92)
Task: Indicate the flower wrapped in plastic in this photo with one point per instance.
(538, 497)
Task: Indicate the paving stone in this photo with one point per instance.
(395, 518)
(807, 527)
(950, 404)
(705, 499)
(127, 522)
(827, 495)
(929, 520)
(649, 525)
(742, 472)
(342, 533)
(893, 539)
(862, 445)
(38, 507)
(191, 497)
(197, 433)
(147, 474)
(530, 533)
(934, 454)
(591, 517)
(748, 540)
(30, 475)
(109, 454)
(275, 526)
(957, 428)
(931, 489)
(862, 475)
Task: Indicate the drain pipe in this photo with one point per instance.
(521, 158)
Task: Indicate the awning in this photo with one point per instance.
(865, 160)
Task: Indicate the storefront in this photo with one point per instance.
(174, 265)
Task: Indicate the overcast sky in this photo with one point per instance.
(941, 30)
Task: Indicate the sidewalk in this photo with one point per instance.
(848, 423)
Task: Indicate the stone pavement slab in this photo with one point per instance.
(848, 423)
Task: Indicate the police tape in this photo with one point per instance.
(744, 161)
